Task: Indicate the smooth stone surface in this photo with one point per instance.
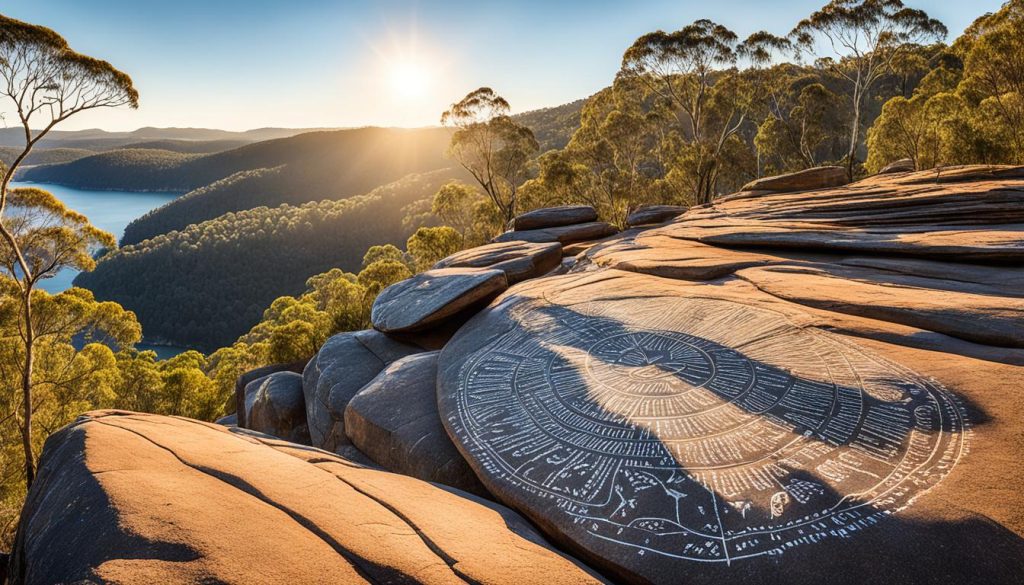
(429, 298)
(230, 420)
(808, 179)
(732, 436)
(345, 363)
(136, 498)
(242, 381)
(394, 421)
(904, 165)
(274, 405)
(554, 217)
(565, 235)
(654, 214)
(518, 260)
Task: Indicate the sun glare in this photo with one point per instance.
(409, 80)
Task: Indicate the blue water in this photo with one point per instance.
(111, 211)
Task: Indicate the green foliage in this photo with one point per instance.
(428, 245)
(472, 215)
(969, 108)
(491, 146)
(206, 285)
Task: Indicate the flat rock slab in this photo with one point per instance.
(134, 498)
(394, 421)
(429, 298)
(554, 217)
(518, 260)
(809, 179)
(345, 363)
(565, 234)
(274, 405)
(654, 214)
(660, 429)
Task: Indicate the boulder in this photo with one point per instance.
(230, 420)
(904, 165)
(134, 498)
(394, 421)
(432, 297)
(274, 405)
(731, 435)
(554, 217)
(345, 363)
(518, 260)
(242, 381)
(805, 180)
(566, 234)
(654, 214)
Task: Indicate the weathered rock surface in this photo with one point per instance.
(429, 298)
(274, 405)
(242, 381)
(654, 214)
(133, 498)
(904, 165)
(345, 363)
(565, 234)
(518, 260)
(230, 420)
(809, 179)
(733, 436)
(394, 421)
(549, 217)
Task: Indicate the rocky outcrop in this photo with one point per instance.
(242, 381)
(518, 260)
(806, 180)
(565, 234)
(274, 405)
(550, 217)
(344, 364)
(654, 214)
(429, 298)
(782, 386)
(394, 421)
(131, 498)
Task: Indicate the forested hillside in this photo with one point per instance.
(206, 285)
(43, 156)
(376, 154)
(309, 167)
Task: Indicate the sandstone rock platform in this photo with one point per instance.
(133, 498)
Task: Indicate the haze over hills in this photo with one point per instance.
(96, 139)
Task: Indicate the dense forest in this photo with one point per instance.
(207, 284)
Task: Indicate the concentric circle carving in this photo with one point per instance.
(695, 429)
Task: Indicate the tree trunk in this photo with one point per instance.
(854, 137)
(26, 388)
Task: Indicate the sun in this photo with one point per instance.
(409, 79)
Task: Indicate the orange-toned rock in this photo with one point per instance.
(806, 180)
(134, 498)
(733, 436)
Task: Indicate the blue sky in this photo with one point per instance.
(304, 63)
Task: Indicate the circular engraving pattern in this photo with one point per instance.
(696, 429)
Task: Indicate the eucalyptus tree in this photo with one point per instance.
(861, 41)
(43, 82)
(491, 146)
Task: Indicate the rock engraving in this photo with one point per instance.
(698, 429)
